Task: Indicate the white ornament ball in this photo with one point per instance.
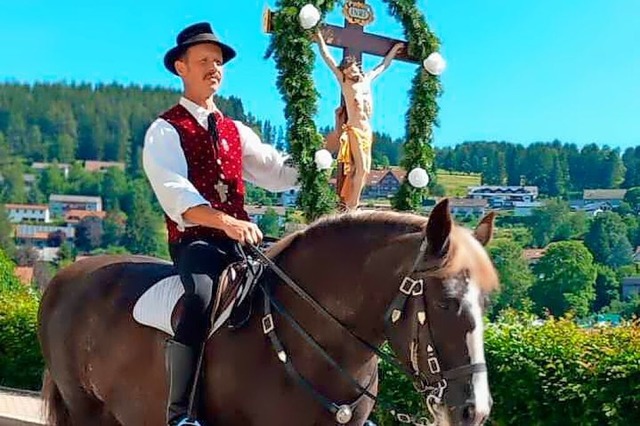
(419, 177)
(435, 63)
(309, 16)
(323, 159)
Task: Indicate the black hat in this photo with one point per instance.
(192, 35)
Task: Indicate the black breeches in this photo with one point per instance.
(199, 264)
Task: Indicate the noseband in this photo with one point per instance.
(432, 384)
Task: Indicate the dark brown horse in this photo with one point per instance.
(375, 276)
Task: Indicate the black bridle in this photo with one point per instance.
(432, 383)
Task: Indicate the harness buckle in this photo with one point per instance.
(267, 324)
(403, 418)
(419, 288)
(408, 285)
(434, 365)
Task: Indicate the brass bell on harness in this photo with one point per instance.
(344, 414)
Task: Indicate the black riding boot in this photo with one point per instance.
(181, 365)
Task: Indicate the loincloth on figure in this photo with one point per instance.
(364, 140)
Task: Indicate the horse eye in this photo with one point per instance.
(446, 304)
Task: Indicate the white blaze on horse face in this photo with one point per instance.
(475, 345)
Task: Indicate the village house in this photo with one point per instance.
(464, 207)
(257, 212)
(60, 204)
(102, 166)
(503, 196)
(18, 213)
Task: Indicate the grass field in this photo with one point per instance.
(456, 183)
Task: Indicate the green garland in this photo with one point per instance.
(291, 46)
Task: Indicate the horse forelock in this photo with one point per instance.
(466, 253)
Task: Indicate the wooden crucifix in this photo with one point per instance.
(351, 37)
(353, 41)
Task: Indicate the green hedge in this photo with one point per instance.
(551, 374)
(21, 363)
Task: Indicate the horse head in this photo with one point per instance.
(435, 323)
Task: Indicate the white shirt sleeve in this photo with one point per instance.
(263, 165)
(165, 165)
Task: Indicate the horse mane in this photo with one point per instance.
(465, 251)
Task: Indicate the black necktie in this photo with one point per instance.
(213, 128)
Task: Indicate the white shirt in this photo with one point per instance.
(165, 165)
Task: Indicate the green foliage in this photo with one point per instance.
(515, 276)
(21, 363)
(607, 287)
(552, 374)
(566, 279)
(8, 279)
(294, 57)
(607, 240)
(143, 229)
(632, 196)
(269, 223)
(7, 243)
(556, 168)
(560, 374)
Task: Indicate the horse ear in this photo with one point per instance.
(438, 228)
(484, 230)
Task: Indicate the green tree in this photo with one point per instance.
(8, 279)
(632, 196)
(5, 149)
(566, 277)
(142, 231)
(7, 243)
(51, 181)
(515, 276)
(574, 226)
(607, 239)
(13, 188)
(89, 234)
(113, 187)
(607, 287)
(113, 228)
(269, 223)
(546, 220)
(66, 255)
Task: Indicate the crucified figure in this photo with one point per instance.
(353, 129)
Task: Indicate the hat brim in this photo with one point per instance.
(228, 53)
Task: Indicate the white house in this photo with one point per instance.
(28, 213)
(60, 204)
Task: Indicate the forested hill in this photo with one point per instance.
(555, 167)
(63, 122)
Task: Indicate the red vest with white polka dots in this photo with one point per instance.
(208, 167)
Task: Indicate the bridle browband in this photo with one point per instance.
(432, 383)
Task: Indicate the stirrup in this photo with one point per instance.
(188, 422)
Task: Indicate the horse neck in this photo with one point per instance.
(355, 280)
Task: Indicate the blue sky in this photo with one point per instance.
(520, 71)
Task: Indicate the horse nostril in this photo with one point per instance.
(469, 413)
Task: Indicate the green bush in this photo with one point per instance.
(21, 363)
(555, 373)
(559, 373)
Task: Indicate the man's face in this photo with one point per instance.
(201, 68)
(352, 72)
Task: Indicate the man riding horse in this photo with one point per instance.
(196, 159)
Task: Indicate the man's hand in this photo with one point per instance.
(242, 231)
(238, 230)
(397, 48)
